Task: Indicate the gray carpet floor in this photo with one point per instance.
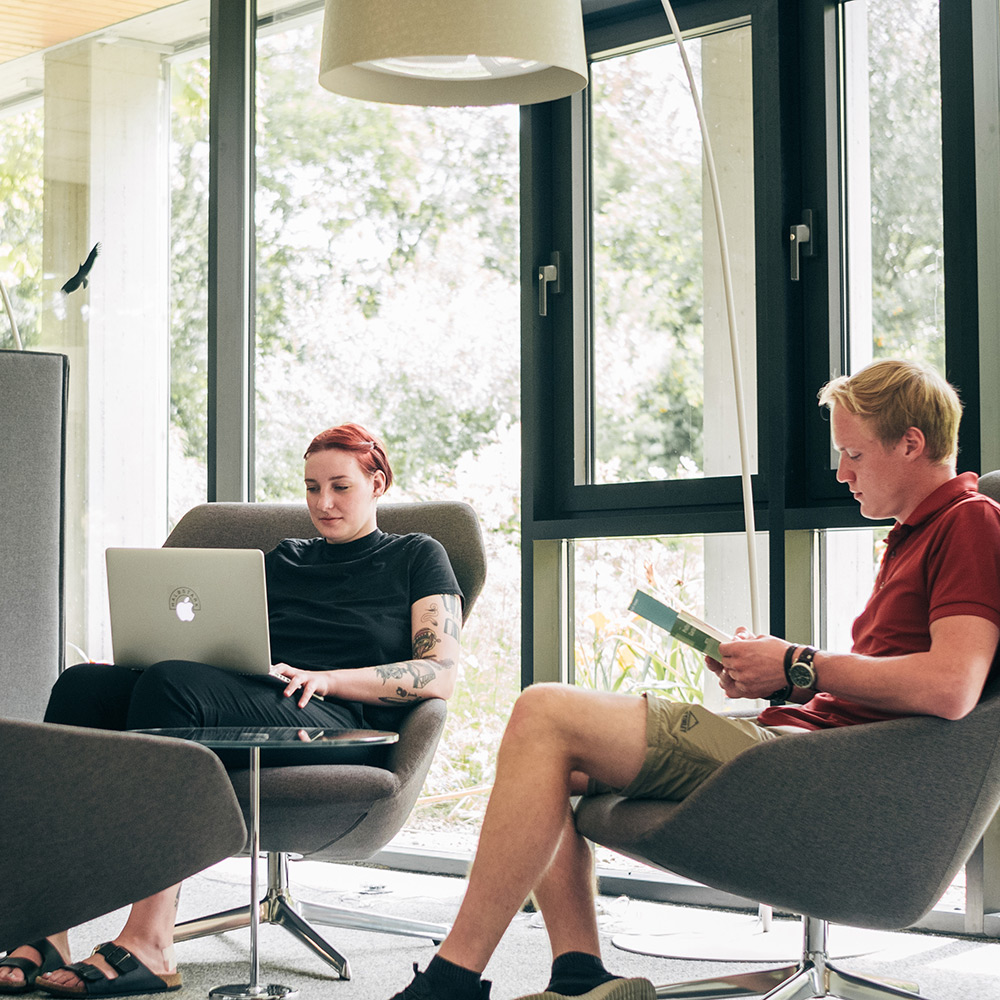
(945, 968)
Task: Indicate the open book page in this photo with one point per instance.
(681, 625)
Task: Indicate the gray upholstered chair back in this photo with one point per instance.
(33, 389)
(135, 813)
(261, 526)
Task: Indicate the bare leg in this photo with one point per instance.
(553, 732)
(565, 895)
(148, 934)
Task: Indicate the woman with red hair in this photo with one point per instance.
(359, 619)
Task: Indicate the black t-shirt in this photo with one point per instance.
(348, 605)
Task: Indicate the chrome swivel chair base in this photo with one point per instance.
(812, 978)
(278, 907)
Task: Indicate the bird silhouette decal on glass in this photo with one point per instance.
(79, 280)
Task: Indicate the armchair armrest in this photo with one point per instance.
(94, 820)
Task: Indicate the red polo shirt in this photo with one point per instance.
(943, 561)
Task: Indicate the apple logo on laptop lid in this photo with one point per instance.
(185, 604)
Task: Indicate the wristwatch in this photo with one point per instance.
(799, 670)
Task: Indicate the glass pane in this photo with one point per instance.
(387, 293)
(849, 559)
(616, 650)
(84, 232)
(662, 372)
(893, 185)
(188, 446)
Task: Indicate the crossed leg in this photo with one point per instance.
(557, 736)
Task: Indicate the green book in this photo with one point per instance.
(682, 626)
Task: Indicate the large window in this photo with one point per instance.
(893, 181)
(187, 480)
(863, 121)
(84, 230)
(387, 294)
(662, 376)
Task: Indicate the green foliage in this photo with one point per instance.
(647, 278)
(429, 434)
(623, 652)
(189, 258)
(617, 650)
(906, 194)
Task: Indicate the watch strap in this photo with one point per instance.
(780, 696)
(789, 659)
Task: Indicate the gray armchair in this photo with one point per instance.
(336, 812)
(865, 826)
(135, 813)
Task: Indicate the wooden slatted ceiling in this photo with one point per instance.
(30, 25)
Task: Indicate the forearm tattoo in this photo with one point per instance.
(420, 673)
(439, 619)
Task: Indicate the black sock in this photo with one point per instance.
(451, 980)
(576, 972)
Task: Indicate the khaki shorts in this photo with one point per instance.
(685, 744)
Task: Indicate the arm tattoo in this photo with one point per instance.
(420, 672)
(425, 641)
(445, 618)
(453, 615)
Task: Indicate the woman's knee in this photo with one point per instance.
(168, 694)
(80, 679)
(91, 694)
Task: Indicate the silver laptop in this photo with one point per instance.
(206, 605)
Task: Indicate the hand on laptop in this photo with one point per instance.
(309, 682)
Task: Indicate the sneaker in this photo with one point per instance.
(421, 989)
(613, 989)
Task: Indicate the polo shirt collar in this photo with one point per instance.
(945, 495)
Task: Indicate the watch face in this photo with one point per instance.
(802, 675)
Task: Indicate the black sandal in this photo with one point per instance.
(51, 960)
(133, 977)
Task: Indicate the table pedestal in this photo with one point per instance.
(253, 990)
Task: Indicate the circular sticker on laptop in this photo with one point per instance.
(185, 603)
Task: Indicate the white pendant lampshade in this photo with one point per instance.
(453, 52)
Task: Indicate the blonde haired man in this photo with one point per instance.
(895, 395)
(924, 645)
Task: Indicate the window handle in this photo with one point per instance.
(801, 241)
(548, 274)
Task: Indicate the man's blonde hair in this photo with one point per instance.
(896, 395)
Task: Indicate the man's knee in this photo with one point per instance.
(555, 710)
(540, 703)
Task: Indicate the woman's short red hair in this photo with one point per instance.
(365, 447)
